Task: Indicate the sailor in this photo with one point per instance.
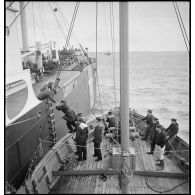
(69, 116)
(149, 120)
(81, 139)
(160, 147)
(98, 139)
(111, 120)
(46, 92)
(79, 115)
(152, 135)
(171, 133)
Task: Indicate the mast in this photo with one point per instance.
(124, 84)
(24, 27)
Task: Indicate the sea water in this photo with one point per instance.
(157, 80)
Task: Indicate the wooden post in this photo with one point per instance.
(124, 87)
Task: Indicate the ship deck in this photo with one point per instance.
(93, 184)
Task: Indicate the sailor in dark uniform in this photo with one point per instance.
(152, 135)
(111, 120)
(81, 139)
(98, 139)
(171, 133)
(69, 116)
(149, 120)
(160, 147)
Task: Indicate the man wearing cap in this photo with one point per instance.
(111, 120)
(171, 133)
(152, 135)
(98, 139)
(81, 139)
(69, 116)
(46, 93)
(160, 148)
(149, 120)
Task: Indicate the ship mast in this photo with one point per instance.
(124, 84)
(24, 27)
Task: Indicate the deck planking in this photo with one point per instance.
(137, 184)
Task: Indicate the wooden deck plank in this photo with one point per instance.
(116, 181)
(144, 158)
(139, 156)
(148, 157)
(103, 188)
(96, 185)
(108, 185)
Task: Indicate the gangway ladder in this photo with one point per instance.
(51, 123)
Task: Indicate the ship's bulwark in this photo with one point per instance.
(22, 139)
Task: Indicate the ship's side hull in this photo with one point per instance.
(22, 139)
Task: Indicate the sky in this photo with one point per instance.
(153, 26)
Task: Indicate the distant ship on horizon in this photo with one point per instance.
(107, 53)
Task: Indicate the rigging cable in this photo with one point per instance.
(34, 22)
(44, 25)
(181, 27)
(96, 56)
(10, 4)
(67, 41)
(113, 47)
(56, 19)
(65, 24)
(18, 15)
(181, 21)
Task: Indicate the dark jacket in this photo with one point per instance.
(98, 134)
(111, 120)
(148, 119)
(47, 94)
(63, 107)
(172, 130)
(153, 132)
(81, 133)
(160, 139)
(69, 114)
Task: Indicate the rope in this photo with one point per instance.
(56, 19)
(67, 40)
(92, 147)
(18, 15)
(25, 132)
(163, 191)
(181, 21)
(38, 116)
(96, 55)
(181, 27)
(113, 47)
(10, 4)
(34, 22)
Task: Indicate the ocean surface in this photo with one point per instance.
(157, 80)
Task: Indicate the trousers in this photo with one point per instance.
(70, 124)
(147, 132)
(82, 151)
(97, 150)
(159, 152)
